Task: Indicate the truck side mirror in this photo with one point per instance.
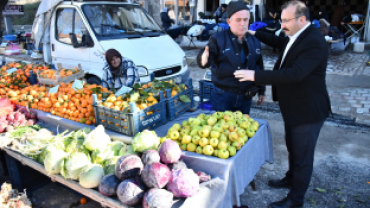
(74, 41)
(87, 40)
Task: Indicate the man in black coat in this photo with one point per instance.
(298, 81)
(166, 20)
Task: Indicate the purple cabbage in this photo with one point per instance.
(128, 166)
(183, 183)
(155, 198)
(131, 191)
(169, 151)
(150, 156)
(108, 185)
(156, 175)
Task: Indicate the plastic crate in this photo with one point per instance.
(174, 106)
(132, 123)
(23, 177)
(205, 90)
(79, 75)
(206, 105)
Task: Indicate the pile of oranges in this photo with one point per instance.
(48, 74)
(66, 103)
(67, 72)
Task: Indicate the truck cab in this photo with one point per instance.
(81, 32)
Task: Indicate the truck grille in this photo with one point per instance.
(168, 71)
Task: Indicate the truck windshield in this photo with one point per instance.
(120, 21)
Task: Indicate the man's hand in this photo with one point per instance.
(251, 32)
(244, 75)
(261, 98)
(205, 56)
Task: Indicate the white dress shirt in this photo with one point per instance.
(291, 41)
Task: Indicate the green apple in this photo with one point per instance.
(185, 123)
(184, 132)
(190, 120)
(245, 138)
(228, 117)
(215, 152)
(225, 126)
(250, 132)
(195, 139)
(222, 145)
(220, 122)
(218, 115)
(239, 121)
(217, 127)
(241, 132)
(244, 124)
(241, 140)
(246, 116)
(208, 150)
(223, 137)
(233, 136)
(215, 134)
(202, 115)
(254, 126)
(203, 142)
(203, 122)
(250, 119)
(237, 145)
(226, 132)
(213, 142)
(232, 150)
(224, 154)
(228, 142)
(177, 126)
(174, 135)
(233, 128)
(162, 139)
(199, 150)
(238, 114)
(207, 117)
(200, 128)
(212, 121)
(186, 139)
(207, 127)
(183, 147)
(232, 122)
(194, 132)
(204, 133)
(191, 147)
(195, 122)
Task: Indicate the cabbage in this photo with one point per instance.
(129, 150)
(128, 166)
(46, 149)
(97, 139)
(169, 151)
(157, 198)
(130, 191)
(91, 176)
(145, 140)
(76, 145)
(53, 159)
(73, 165)
(110, 165)
(155, 175)
(108, 185)
(177, 166)
(99, 155)
(150, 156)
(116, 147)
(183, 183)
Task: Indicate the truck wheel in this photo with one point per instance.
(94, 80)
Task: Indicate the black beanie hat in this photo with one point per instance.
(234, 7)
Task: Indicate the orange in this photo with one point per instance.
(88, 122)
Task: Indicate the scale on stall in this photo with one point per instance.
(207, 75)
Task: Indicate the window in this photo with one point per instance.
(69, 21)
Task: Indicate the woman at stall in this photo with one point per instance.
(119, 71)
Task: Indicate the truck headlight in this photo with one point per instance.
(142, 71)
(184, 62)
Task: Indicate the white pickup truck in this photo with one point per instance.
(79, 32)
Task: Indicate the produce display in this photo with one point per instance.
(144, 95)
(221, 134)
(11, 198)
(113, 168)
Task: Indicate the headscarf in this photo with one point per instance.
(109, 54)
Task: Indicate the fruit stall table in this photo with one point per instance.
(229, 176)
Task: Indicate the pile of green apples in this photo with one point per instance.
(221, 134)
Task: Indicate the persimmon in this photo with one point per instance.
(84, 103)
(81, 115)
